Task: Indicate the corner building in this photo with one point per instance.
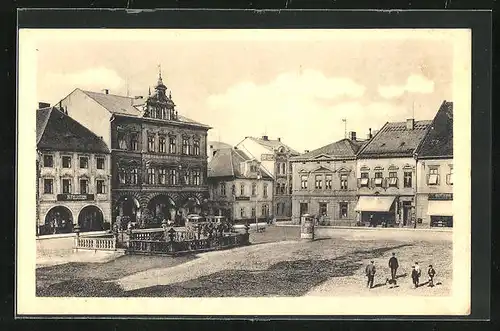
(159, 159)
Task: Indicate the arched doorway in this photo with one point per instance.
(90, 219)
(58, 220)
(128, 209)
(162, 207)
(191, 205)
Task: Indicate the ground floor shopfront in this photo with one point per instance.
(435, 209)
(337, 210)
(150, 208)
(282, 210)
(389, 210)
(62, 215)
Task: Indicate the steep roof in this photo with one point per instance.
(122, 105)
(439, 140)
(272, 144)
(395, 140)
(58, 131)
(226, 163)
(218, 145)
(344, 148)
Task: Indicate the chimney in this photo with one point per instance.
(410, 124)
(43, 105)
(279, 139)
(106, 91)
(352, 135)
(266, 138)
(369, 136)
(306, 151)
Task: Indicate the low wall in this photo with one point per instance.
(362, 233)
(60, 244)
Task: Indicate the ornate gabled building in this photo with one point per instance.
(159, 159)
(274, 156)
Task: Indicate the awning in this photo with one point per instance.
(440, 208)
(375, 203)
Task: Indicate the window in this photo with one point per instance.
(48, 161)
(323, 207)
(162, 176)
(242, 212)
(172, 177)
(172, 146)
(364, 179)
(100, 163)
(265, 210)
(450, 177)
(253, 212)
(303, 182)
(378, 179)
(242, 189)
(187, 177)
(196, 177)
(66, 186)
(84, 162)
(265, 191)
(185, 146)
(254, 189)
(134, 176)
(48, 186)
(121, 176)
(393, 179)
(101, 186)
(304, 208)
(433, 177)
(66, 161)
(196, 147)
(343, 182)
(223, 189)
(343, 209)
(151, 143)
(408, 179)
(328, 182)
(162, 144)
(151, 175)
(134, 142)
(233, 190)
(84, 186)
(278, 211)
(283, 168)
(318, 182)
(122, 143)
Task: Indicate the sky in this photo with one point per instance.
(289, 84)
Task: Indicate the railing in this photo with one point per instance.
(195, 245)
(106, 244)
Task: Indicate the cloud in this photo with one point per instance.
(414, 84)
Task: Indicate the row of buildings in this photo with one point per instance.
(401, 174)
(103, 158)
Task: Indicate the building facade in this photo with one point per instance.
(73, 175)
(240, 188)
(274, 156)
(159, 160)
(324, 183)
(387, 174)
(434, 199)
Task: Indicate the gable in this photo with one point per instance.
(323, 157)
(322, 169)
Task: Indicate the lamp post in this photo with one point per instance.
(256, 199)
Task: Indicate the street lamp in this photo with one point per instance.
(256, 199)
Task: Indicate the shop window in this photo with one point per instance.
(84, 186)
(393, 179)
(343, 209)
(343, 182)
(84, 162)
(66, 185)
(48, 186)
(48, 161)
(323, 209)
(304, 208)
(66, 161)
(101, 186)
(408, 178)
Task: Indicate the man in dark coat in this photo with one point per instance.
(393, 265)
(370, 274)
(431, 272)
(414, 276)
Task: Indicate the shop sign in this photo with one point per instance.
(267, 157)
(75, 197)
(242, 198)
(440, 196)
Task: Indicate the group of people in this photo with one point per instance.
(394, 265)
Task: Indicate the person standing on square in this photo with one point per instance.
(370, 274)
(393, 265)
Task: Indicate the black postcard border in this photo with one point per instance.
(480, 22)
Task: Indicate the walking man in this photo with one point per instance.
(393, 265)
(414, 276)
(370, 274)
(431, 272)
